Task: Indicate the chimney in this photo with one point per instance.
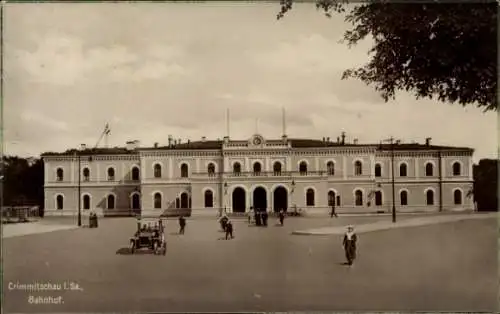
(338, 140)
(343, 138)
(156, 144)
(328, 139)
(83, 146)
(355, 141)
(170, 140)
(428, 141)
(203, 138)
(324, 139)
(189, 141)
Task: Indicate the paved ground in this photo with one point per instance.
(445, 267)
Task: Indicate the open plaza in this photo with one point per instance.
(413, 265)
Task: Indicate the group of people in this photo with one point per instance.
(261, 217)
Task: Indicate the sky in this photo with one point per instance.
(156, 69)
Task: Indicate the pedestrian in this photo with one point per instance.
(282, 216)
(333, 213)
(349, 244)
(182, 224)
(265, 216)
(250, 214)
(223, 222)
(229, 229)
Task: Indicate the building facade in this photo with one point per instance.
(235, 175)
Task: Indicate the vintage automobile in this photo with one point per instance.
(150, 235)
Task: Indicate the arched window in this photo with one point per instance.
(331, 198)
(209, 199)
(157, 171)
(457, 197)
(157, 201)
(378, 170)
(184, 171)
(135, 174)
(184, 200)
(330, 168)
(429, 170)
(358, 168)
(86, 174)
(310, 197)
(59, 174)
(86, 202)
(358, 195)
(277, 168)
(59, 202)
(236, 169)
(211, 169)
(111, 201)
(378, 198)
(456, 169)
(303, 168)
(403, 196)
(430, 197)
(136, 201)
(111, 174)
(257, 168)
(403, 170)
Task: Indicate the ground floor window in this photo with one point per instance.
(59, 202)
(209, 199)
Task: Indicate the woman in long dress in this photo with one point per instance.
(349, 244)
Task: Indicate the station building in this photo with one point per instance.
(208, 176)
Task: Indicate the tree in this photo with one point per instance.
(22, 182)
(486, 184)
(444, 50)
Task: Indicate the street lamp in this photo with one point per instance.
(291, 193)
(225, 197)
(391, 141)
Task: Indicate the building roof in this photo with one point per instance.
(295, 143)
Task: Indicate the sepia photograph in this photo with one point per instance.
(249, 156)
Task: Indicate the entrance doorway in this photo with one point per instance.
(136, 201)
(239, 200)
(260, 199)
(280, 199)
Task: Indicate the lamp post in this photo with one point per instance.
(391, 141)
(225, 197)
(79, 190)
(291, 193)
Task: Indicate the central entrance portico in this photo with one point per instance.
(280, 199)
(260, 199)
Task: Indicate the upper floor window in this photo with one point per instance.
(358, 168)
(157, 171)
(429, 170)
(456, 169)
(236, 168)
(211, 169)
(378, 170)
(86, 174)
(403, 168)
(310, 197)
(111, 174)
(277, 168)
(330, 168)
(59, 174)
(135, 174)
(184, 171)
(303, 168)
(257, 168)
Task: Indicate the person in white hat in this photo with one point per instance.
(349, 244)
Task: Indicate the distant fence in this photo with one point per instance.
(19, 213)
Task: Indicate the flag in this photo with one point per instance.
(107, 130)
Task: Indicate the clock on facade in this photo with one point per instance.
(257, 141)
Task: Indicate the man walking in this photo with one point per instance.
(229, 230)
(282, 216)
(349, 244)
(182, 224)
(333, 213)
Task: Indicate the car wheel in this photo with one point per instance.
(155, 247)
